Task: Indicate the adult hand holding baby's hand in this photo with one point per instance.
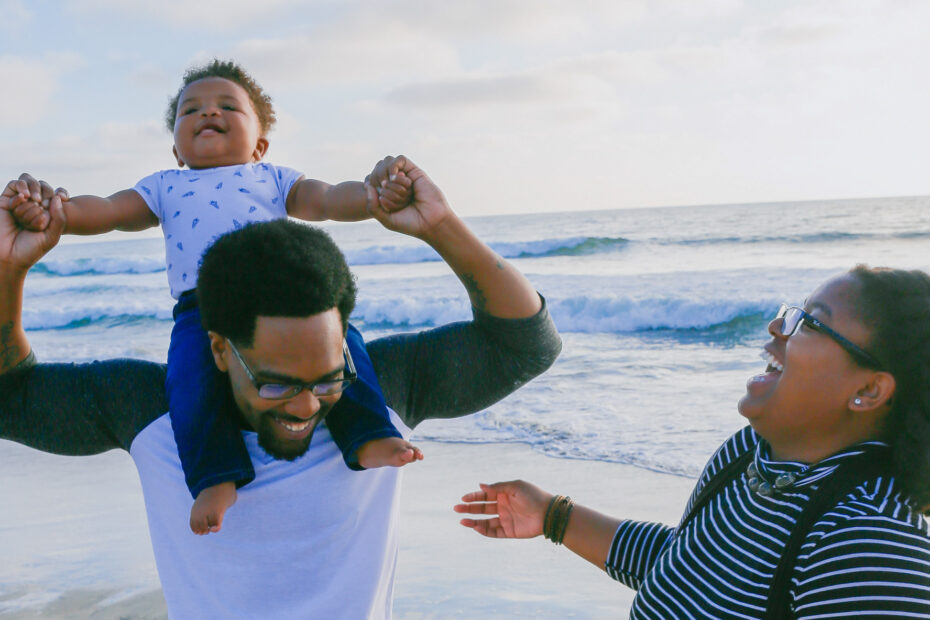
(28, 199)
(420, 213)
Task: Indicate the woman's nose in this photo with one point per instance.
(775, 326)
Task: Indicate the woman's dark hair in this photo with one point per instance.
(276, 268)
(228, 70)
(895, 305)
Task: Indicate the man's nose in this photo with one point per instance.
(305, 405)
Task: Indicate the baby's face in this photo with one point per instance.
(217, 126)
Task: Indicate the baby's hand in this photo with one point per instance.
(32, 216)
(395, 192)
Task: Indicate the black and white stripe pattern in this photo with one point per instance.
(869, 556)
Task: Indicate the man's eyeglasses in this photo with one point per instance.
(284, 391)
(793, 316)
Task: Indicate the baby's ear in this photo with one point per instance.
(174, 150)
(261, 149)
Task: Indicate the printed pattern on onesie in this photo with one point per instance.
(197, 206)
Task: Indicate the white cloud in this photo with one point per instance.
(513, 21)
(15, 13)
(112, 157)
(210, 15)
(29, 85)
(322, 59)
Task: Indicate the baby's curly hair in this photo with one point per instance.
(228, 70)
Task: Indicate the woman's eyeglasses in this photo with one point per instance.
(793, 316)
(284, 391)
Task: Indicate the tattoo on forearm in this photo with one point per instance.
(9, 352)
(476, 294)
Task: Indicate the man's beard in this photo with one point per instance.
(284, 449)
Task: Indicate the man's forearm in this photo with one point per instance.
(14, 347)
(461, 368)
(494, 285)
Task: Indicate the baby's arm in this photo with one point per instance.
(93, 215)
(316, 201)
(85, 215)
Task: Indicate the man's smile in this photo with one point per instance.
(298, 427)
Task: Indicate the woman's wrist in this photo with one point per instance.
(555, 521)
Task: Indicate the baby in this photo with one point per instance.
(220, 118)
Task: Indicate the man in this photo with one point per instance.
(309, 537)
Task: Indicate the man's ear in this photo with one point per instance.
(261, 148)
(218, 348)
(875, 394)
(174, 150)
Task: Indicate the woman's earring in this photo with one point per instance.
(857, 401)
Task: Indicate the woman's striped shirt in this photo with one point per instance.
(869, 556)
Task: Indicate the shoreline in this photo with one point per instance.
(444, 570)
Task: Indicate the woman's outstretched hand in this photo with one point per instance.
(519, 508)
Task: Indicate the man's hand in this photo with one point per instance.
(28, 200)
(20, 249)
(427, 208)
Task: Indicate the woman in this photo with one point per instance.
(840, 417)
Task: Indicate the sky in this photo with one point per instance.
(512, 106)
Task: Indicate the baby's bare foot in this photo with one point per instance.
(388, 452)
(210, 506)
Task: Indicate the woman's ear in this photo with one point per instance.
(218, 348)
(875, 394)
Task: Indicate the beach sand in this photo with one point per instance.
(444, 570)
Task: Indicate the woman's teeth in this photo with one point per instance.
(773, 364)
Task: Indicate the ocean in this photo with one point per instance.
(662, 311)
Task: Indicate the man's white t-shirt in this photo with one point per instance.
(316, 539)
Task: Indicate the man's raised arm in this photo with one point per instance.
(464, 367)
(493, 284)
(19, 250)
(63, 408)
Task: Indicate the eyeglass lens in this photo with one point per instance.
(280, 391)
(791, 318)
